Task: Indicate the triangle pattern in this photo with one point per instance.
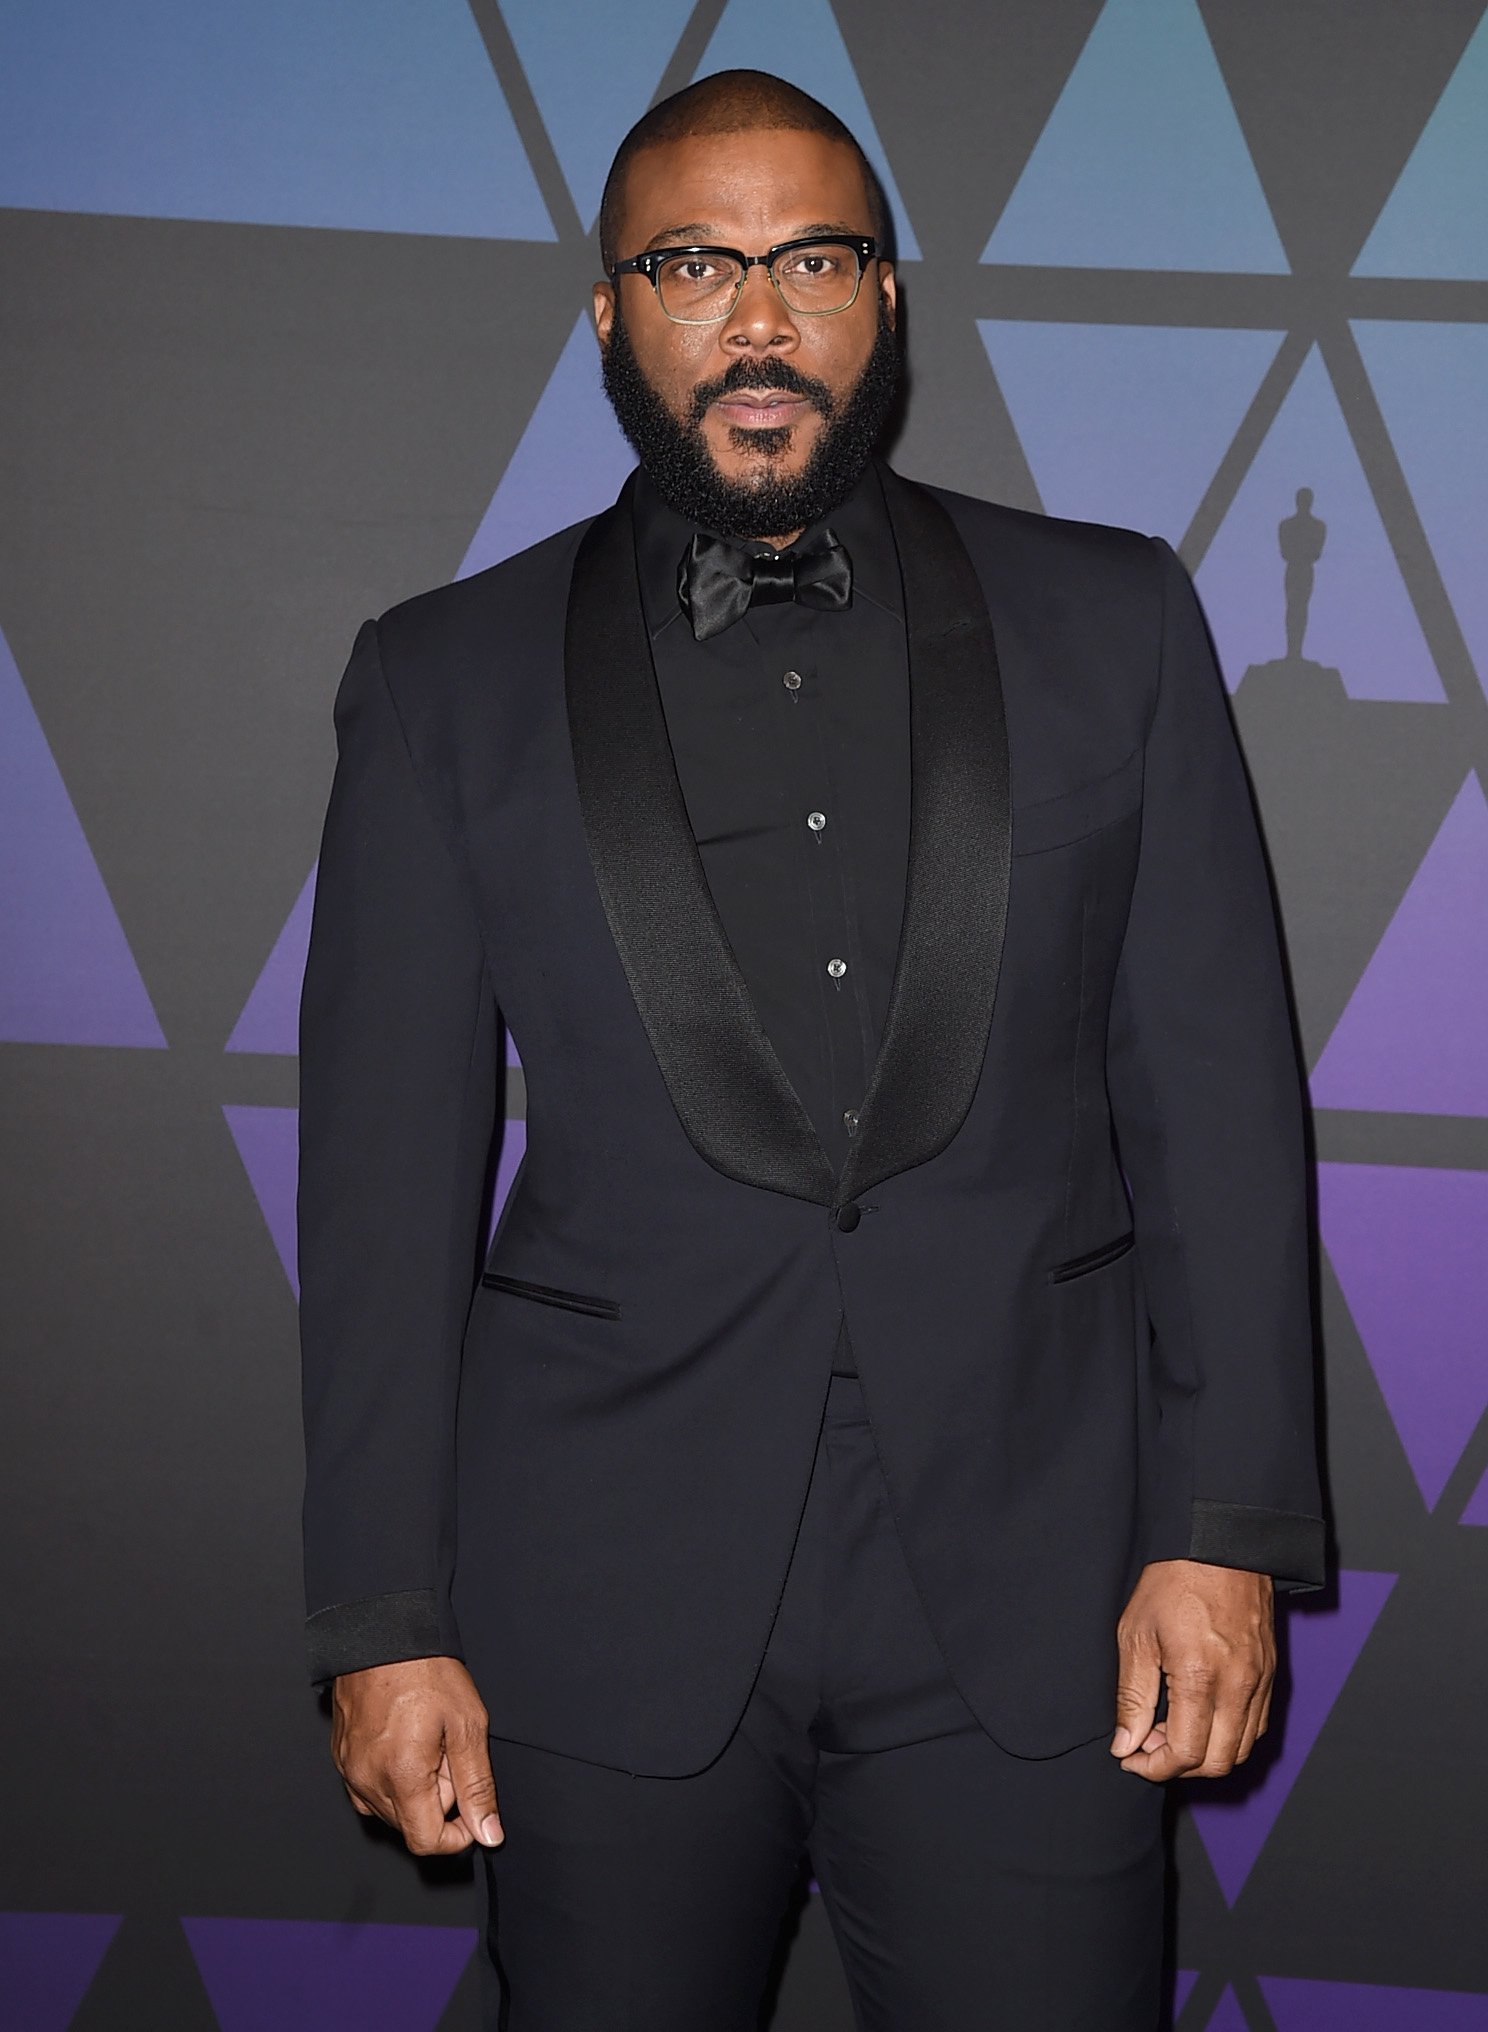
(1406, 1245)
(378, 115)
(1298, 2005)
(301, 1975)
(47, 1961)
(1430, 379)
(69, 976)
(513, 1150)
(1360, 619)
(569, 463)
(1228, 2016)
(1324, 1646)
(268, 1141)
(1142, 163)
(812, 55)
(270, 1021)
(1435, 222)
(1126, 423)
(1183, 1984)
(1477, 1504)
(1414, 1035)
(593, 71)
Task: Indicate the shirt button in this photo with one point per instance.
(816, 820)
(850, 1120)
(836, 968)
(792, 680)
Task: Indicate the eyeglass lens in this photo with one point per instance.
(698, 287)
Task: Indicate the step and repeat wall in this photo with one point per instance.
(294, 323)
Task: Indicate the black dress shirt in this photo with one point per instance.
(790, 734)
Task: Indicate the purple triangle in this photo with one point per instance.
(270, 1020)
(1360, 619)
(1183, 1983)
(1324, 1644)
(1477, 1504)
(268, 1141)
(570, 462)
(513, 1150)
(1407, 1247)
(47, 1960)
(1414, 1036)
(309, 1975)
(69, 976)
(1228, 2016)
(1299, 2006)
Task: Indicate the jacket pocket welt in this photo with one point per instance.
(1093, 1259)
(549, 1294)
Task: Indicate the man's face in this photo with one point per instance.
(768, 413)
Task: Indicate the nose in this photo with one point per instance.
(759, 321)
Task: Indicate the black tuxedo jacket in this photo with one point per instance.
(1070, 1241)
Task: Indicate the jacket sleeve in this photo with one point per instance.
(1206, 1096)
(398, 1090)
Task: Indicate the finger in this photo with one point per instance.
(475, 1788)
(446, 1786)
(359, 1803)
(1255, 1719)
(1138, 1684)
(420, 1817)
(1231, 1711)
(1189, 1721)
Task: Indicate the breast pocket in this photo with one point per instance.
(1057, 821)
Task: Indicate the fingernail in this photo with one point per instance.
(490, 1831)
(1121, 1742)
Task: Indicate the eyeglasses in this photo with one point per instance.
(701, 285)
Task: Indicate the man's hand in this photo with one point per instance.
(1209, 1630)
(410, 1743)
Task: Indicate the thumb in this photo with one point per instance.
(475, 1788)
(1137, 1688)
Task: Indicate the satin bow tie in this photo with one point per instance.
(717, 582)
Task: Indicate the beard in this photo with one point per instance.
(676, 458)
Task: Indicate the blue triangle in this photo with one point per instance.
(1361, 621)
(270, 1018)
(1126, 423)
(806, 48)
(1430, 380)
(1142, 163)
(69, 976)
(380, 115)
(1436, 219)
(570, 462)
(593, 71)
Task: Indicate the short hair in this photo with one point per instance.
(732, 102)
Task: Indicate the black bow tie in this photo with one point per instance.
(717, 582)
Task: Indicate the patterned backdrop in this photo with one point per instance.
(295, 323)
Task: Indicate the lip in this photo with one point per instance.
(767, 409)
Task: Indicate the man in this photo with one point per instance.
(837, 1446)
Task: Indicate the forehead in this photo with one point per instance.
(753, 188)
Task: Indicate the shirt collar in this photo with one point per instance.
(860, 520)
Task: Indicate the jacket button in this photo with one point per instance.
(848, 1217)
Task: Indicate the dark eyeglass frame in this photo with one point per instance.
(649, 264)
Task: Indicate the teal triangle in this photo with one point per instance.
(1142, 163)
(69, 976)
(805, 47)
(593, 71)
(1435, 221)
(374, 115)
(1126, 423)
(569, 463)
(1432, 384)
(1361, 621)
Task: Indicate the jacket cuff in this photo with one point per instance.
(1290, 1547)
(378, 1630)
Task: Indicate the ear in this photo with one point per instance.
(888, 290)
(604, 310)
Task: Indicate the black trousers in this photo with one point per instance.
(969, 1890)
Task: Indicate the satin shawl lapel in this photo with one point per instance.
(728, 1087)
(955, 905)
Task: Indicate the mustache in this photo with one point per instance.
(767, 373)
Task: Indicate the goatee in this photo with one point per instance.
(676, 457)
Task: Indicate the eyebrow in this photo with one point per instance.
(700, 233)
